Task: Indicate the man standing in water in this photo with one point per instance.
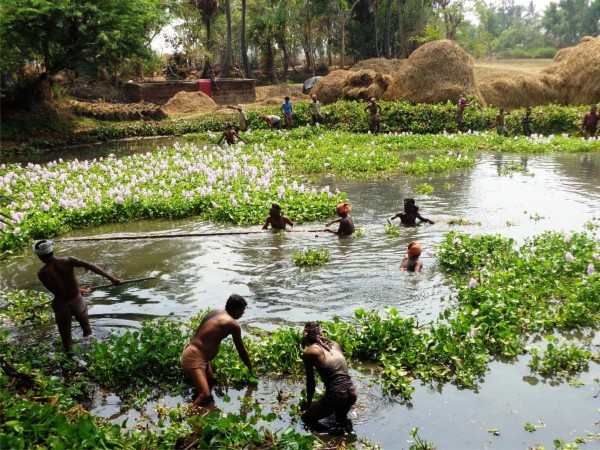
(58, 277)
(229, 135)
(276, 219)
(410, 214)
(327, 358)
(346, 227)
(411, 262)
(590, 121)
(204, 346)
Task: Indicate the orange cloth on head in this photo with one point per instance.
(414, 249)
(343, 208)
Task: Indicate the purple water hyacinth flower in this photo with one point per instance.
(597, 256)
(472, 283)
(81, 363)
(214, 205)
(429, 253)
(591, 269)
(569, 257)
(456, 241)
(567, 238)
(51, 355)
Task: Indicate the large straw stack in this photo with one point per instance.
(514, 90)
(379, 65)
(438, 71)
(329, 89)
(575, 73)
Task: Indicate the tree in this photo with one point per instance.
(567, 21)
(244, 45)
(226, 61)
(85, 36)
(208, 9)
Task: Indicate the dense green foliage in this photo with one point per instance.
(311, 257)
(396, 118)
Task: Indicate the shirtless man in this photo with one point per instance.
(59, 278)
(204, 346)
(229, 135)
(411, 262)
(327, 358)
(346, 227)
(501, 122)
(374, 110)
(410, 214)
(276, 219)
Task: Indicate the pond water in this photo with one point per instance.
(198, 272)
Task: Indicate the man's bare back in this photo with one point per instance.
(215, 327)
(59, 278)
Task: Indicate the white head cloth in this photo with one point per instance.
(43, 247)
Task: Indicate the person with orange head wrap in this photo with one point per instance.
(411, 262)
(346, 227)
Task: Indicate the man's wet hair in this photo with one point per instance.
(235, 302)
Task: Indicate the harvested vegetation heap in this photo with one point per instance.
(575, 73)
(437, 72)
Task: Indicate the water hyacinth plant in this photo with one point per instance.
(311, 257)
(233, 184)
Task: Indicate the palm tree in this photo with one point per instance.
(208, 9)
(226, 62)
(244, 45)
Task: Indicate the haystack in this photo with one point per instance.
(438, 71)
(189, 103)
(330, 88)
(575, 73)
(379, 65)
(515, 90)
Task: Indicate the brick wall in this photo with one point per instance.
(231, 90)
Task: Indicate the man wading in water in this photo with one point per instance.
(276, 219)
(411, 262)
(204, 346)
(327, 358)
(410, 214)
(58, 277)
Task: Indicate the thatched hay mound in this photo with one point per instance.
(189, 103)
(379, 65)
(575, 73)
(514, 90)
(438, 71)
(330, 88)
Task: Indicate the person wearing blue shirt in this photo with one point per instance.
(288, 112)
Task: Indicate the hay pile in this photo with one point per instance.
(575, 73)
(515, 90)
(364, 84)
(329, 89)
(189, 103)
(274, 94)
(379, 65)
(439, 71)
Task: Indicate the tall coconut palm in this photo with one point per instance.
(226, 61)
(208, 9)
(244, 45)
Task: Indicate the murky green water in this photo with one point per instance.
(198, 272)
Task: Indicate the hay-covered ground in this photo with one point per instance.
(519, 66)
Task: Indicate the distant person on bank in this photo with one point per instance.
(346, 224)
(526, 122)
(460, 109)
(230, 135)
(410, 214)
(58, 276)
(589, 125)
(326, 357)
(242, 117)
(287, 110)
(374, 110)
(314, 108)
(501, 122)
(276, 219)
(411, 262)
(204, 346)
(273, 121)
